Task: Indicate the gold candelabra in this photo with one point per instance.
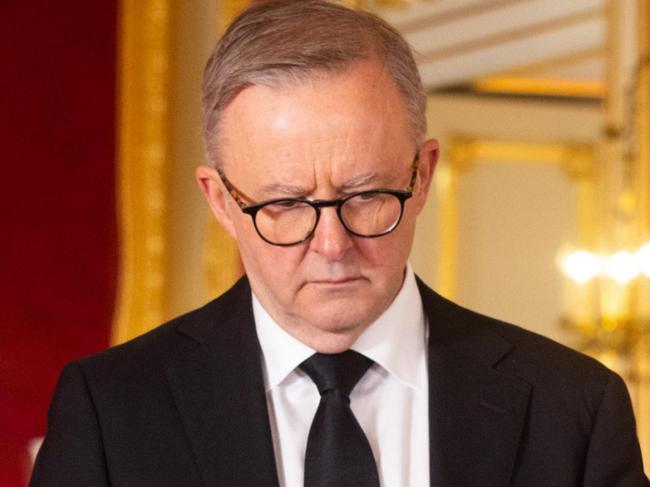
(608, 298)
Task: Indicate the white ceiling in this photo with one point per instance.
(461, 41)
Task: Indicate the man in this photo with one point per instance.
(314, 124)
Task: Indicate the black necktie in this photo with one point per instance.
(338, 453)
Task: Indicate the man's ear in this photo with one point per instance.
(428, 159)
(217, 196)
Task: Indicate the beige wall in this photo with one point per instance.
(513, 217)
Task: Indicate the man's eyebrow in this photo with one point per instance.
(275, 189)
(284, 189)
(360, 181)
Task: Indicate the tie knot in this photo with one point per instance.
(337, 371)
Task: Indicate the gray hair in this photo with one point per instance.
(280, 41)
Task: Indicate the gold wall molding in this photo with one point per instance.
(643, 192)
(642, 116)
(531, 78)
(559, 61)
(540, 86)
(221, 262)
(227, 10)
(375, 4)
(143, 85)
(576, 160)
(220, 255)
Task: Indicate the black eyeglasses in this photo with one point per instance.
(290, 221)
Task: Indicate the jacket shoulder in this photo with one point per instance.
(154, 348)
(531, 355)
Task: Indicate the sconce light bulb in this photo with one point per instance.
(581, 266)
(621, 267)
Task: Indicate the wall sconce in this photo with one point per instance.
(608, 298)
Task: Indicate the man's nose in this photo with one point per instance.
(330, 239)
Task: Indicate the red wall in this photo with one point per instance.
(57, 218)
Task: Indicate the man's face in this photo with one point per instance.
(321, 139)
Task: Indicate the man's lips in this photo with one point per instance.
(336, 281)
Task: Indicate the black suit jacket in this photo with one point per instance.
(185, 405)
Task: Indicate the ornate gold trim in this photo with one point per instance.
(643, 118)
(227, 10)
(141, 169)
(375, 4)
(446, 182)
(577, 161)
(221, 262)
(538, 86)
(559, 61)
(220, 256)
(643, 191)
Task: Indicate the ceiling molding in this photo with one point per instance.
(514, 34)
(559, 43)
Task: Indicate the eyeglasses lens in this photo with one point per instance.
(369, 214)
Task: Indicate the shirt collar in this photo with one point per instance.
(282, 353)
(396, 340)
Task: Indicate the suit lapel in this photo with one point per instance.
(477, 410)
(218, 387)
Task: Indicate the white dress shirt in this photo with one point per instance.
(390, 401)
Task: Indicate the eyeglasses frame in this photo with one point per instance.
(253, 209)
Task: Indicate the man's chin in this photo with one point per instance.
(333, 336)
(348, 316)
